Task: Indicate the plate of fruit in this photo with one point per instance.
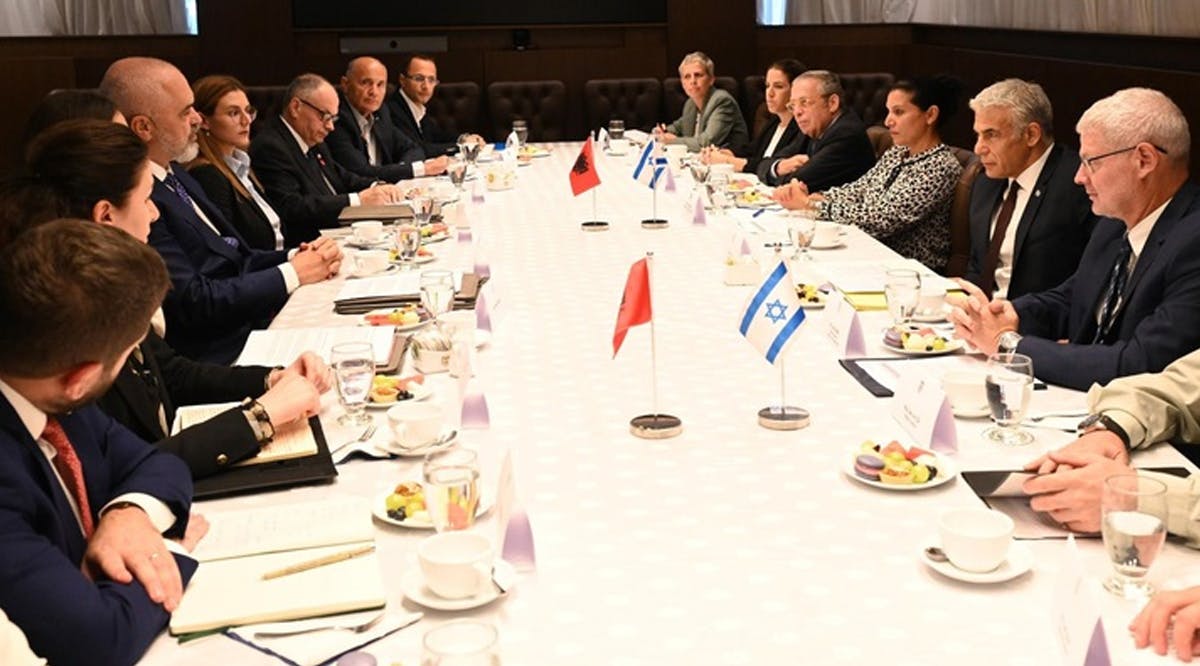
(811, 298)
(434, 232)
(405, 317)
(919, 341)
(405, 507)
(741, 184)
(753, 199)
(896, 467)
(424, 256)
(387, 390)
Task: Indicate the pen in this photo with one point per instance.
(318, 562)
(758, 212)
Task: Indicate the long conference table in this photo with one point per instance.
(731, 543)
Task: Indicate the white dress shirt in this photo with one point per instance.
(239, 163)
(1027, 180)
(364, 128)
(304, 148)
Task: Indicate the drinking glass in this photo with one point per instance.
(461, 643)
(457, 169)
(408, 242)
(521, 128)
(354, 369)
(1133, 515)
(616, 129)
(902, 289)
(452, 488)
(421, 203)
(468, 149)
(718, 184)
(801, 229)
(1009, 385)
(437, 292)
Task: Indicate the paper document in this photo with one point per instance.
(870, 276)
(285, 527)
(293, 440)
(407, 283)
(282, 346)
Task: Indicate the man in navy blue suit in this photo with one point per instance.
(85, 570)
(409, 109)
(221, 288)
(1133, 304)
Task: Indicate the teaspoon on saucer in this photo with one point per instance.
(936, 554)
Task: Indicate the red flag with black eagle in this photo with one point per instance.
(635, 304)
(584, 175)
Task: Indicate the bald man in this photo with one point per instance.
(364, 140)
(301, 178)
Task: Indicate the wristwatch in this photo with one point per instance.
(1102, 422)
(1007, 342)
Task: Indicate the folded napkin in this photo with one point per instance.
(318, 647)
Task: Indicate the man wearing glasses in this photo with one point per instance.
(1133, 304)
(837, 151)
(418, 80)
(302, 181)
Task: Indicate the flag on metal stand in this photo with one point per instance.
(636, 310)
(770, 321)
(584, 176)
(649, 170)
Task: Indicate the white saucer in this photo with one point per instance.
(413, 584)
(418, 391)
(383, 271)
(1020, 560)
(979, 413)
(831, 246)
(358, 244)
(420, 451)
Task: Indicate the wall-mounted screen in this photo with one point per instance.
(347, 14)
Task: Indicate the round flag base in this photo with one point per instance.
(783, 418)
(594, 225)
(654, 223)
(655, 426)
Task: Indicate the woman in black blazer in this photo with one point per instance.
(778, 134)
(223, 167)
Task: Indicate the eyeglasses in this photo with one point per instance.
(1090, 162)
(250, 112)
(326, 117)
(803, 102)
(421, 78)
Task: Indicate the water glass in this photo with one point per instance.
(468, 149)
(457, 169)
(353, 366)
(451, 483)
(1133, 524)
(616, 129)
(461, 643)
(421, 203)
(1009, 384)
(902, 289)
(801, 228)
(408, 243)
(521, 129)
(437, 292)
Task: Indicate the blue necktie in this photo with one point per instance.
(177, 187)
(1112, 293)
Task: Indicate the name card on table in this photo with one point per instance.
(922, 409)
(1076, 609)
(842, 326)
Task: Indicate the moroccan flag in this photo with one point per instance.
(584, 175)
(635, 304)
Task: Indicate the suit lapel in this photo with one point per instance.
(132, 388)
(164, 196)
(1035, 200)
(1171, 215)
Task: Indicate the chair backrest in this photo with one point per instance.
(268, 100)
(674, 97)
(455, 107)
(960, 213)
(636, 101)
(754, 94)
(542, 104)
(880, 138)
(866, 93)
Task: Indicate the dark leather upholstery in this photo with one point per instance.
(960, 213)
(269, 102)
(754, 96)
(674, 97)
(636, 101)
(881, 139)
(543, 104)
(866, 93)
(455, 107)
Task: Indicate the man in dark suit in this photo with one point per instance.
(1029, 220)
(222, 289)
(417, 82)
(302, 180)
(838, 150)
(85, 505)
(365, 141)
(1133, 304)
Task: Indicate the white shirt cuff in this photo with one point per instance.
(291, 279)
(354, 199)
(160, 515)
(292, 253)
(418, 169)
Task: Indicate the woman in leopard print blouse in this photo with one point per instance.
(904, 200)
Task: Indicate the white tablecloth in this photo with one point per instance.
(729, 544)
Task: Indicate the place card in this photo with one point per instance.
(699, 216)
(922, 409)
(1076, 609)
(843, 327)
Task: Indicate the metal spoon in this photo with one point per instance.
(430, 445)
(936, 554)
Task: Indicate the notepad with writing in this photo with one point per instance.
(228, 588)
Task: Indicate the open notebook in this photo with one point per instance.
(281, 346)
(228, 588)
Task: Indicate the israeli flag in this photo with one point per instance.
(773, 314)
(650, 165)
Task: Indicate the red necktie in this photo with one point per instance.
(71, 471)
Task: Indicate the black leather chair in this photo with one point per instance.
(960, 213)
(542, 104)
(754, 95)
(268, 100)
(674, 97)
(866, 93)
(636, 101)
(455, 107)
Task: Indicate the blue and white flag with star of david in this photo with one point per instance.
(773, 315)
(650, 166)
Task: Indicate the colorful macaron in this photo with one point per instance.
(868, 466)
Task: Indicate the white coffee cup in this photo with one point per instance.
(966, 391)
(415, 424)
(726, 169)
(369, 262)
(827, 234)
(975, 540)
(618, 146)
(457, 564)
(933, 298)
(367, 231)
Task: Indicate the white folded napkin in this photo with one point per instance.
(318, 647)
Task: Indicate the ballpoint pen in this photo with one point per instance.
(319, 562)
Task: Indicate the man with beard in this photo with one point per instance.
(222, 289)
(85, 571)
